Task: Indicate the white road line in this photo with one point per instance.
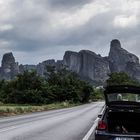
(91, 130)
(7, 129)
(14, 127)
(87, 136)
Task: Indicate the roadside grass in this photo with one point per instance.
(15, 109)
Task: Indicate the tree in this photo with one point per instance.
(97, 94)
(59, 86)
(86, 92)
(28, 80)
(121, 78)
(25, 89)
(66, 85)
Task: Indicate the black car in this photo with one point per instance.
(121, 116)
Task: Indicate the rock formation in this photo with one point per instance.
(119, 57)
(72, 61)
(89, 65)
(121, 60)
(23, 68)
(9, 68)
(42, 67)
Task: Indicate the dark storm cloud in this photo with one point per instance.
(70, 3)
(64, 4)
(89, 33)
(42, 27)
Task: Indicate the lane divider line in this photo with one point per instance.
(7, 129)
(87, 136)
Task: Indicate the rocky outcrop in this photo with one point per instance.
(59, 64)
(23, 68)
(119, 57)
(88, 65)
(9, 68)
(42, 67)
(133, 70)
(121, 60)
(96, 68)
(72, 61)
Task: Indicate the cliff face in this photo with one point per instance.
(94, 67)
(87, 64)
(41, 68)
(119, 58)
(72, 61)
(9, 68)
(133, 70)
(122, 60)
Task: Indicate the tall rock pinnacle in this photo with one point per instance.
(7, 60)
(119, 57)
(88, 65)
(115, 43)
(9, 68)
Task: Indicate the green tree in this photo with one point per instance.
(120, 78)
(28, 80)
(59, 86)
(25, 89)
(97, 94)
(66, 85)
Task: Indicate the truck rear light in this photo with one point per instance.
(101, 125)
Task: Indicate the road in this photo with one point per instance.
(64, 124)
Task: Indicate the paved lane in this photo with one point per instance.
(64, 124)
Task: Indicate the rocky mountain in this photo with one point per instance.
(9, 68)
(122, 60)
(41, 67)
(89, 65)
(119, 58)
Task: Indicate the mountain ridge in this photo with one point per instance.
(87, 64)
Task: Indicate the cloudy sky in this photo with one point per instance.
(36, 30)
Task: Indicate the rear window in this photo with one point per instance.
(131, 97)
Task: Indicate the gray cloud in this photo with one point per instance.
(48, 28)
(64, 4)
(70, 3)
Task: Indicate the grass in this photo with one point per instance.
(13, 109)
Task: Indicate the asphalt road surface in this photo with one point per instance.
(64, 124)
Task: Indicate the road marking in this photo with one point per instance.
(91, 130)
(87, 136)
(7, 129)
(14, 127)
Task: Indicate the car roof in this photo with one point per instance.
(121, 88)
